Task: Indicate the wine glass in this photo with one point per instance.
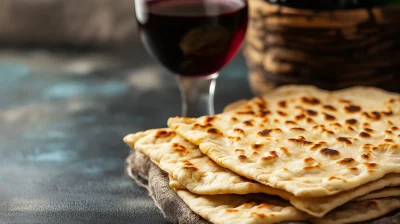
(193, 39)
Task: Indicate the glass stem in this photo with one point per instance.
(197, 94)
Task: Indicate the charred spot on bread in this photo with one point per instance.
(329, 152)
(352, 109)
(310, 100)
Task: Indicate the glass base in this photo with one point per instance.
(197, 94)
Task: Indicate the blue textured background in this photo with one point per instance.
(62, 119)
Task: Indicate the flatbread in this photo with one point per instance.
(359, 211)
(222, 209)
(383, 193)
(200, 175)
(160, 190)
(304, 140)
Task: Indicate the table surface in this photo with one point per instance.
(62, 119)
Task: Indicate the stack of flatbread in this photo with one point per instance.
(330, 157)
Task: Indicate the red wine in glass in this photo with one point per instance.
(193, 39)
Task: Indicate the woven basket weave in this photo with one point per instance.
(329, 49)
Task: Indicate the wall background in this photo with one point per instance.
(70, 22)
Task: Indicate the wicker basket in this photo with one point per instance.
(329, 49)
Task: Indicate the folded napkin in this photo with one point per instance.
(148, 175)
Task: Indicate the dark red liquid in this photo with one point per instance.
(193, 37)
